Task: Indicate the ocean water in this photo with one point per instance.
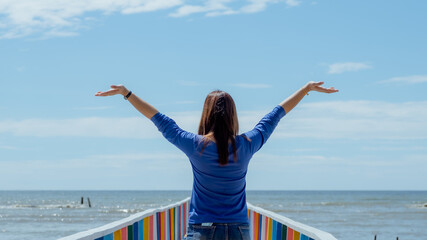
(352, 215)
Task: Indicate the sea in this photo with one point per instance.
(351, 215)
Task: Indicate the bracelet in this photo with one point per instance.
(128, 95)
(306, 93)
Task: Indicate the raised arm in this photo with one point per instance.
(142, 106)
(268, 123)
(289, 103)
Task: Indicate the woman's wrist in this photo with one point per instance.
(125, 91)
(306, 88)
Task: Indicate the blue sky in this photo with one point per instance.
(54, 134)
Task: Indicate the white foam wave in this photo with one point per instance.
(44, 206)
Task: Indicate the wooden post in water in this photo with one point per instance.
(375, 238)
(88, 202)
(81, 200)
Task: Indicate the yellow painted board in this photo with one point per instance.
(296, 235)
(118, 235)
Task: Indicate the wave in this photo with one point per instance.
(419, 205)
(43, 206)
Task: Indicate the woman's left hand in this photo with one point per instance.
(316, 86)
(115, 89)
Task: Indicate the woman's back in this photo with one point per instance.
(218, 193)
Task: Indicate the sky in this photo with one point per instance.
(56, 54)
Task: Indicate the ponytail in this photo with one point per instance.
(222, 133)
(220, 119)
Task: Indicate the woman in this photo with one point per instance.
(219, 158)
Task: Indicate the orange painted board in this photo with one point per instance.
(296, 235)
(118, 235)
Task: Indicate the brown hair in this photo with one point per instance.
(219, 120)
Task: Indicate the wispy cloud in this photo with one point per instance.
(220, 13)
(209, 7)
(212, 8)
(79, 127)
(6, 147)
(190, 9)
(293, 3)
(252, 85)
(407, 79)
(354, 120)
(261, 5)
(124, 171)
(151, 5)
(141, 127)
(337, 68)
(62, 18)
(65, 18)
(271, 161)
(338, 172)
(255, 6)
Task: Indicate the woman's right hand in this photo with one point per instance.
(316, 86)
(115, 89)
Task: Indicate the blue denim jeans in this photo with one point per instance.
(218, 231)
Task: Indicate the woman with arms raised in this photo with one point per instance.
(219, 158)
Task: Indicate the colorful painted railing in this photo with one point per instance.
(169, 223)
(165, 223)
(266, 225)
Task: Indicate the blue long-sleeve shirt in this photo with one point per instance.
(218, 193)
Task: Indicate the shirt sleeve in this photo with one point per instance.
(182, 139)
(265, 127)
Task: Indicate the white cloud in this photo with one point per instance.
(336, 172)
(141, 127)
(212, 7)
(353, 120)
(408, 79)
(282, 160)
(252, 85)
(221, 13)
(255, 6)
(189, 9)
(79, 127)
(6, 147)
(152, 5)
(63, 17)
(59, 33)
(125, 171)
(356, 120)
(395, 148)
(158, 171)
(292, 3)
(337, 68)
(261, 5)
